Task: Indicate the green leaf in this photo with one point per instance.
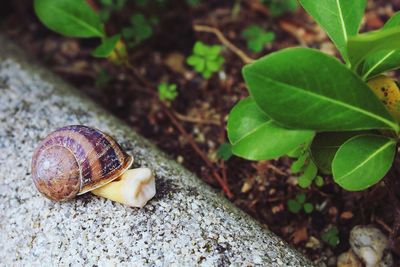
(308, 207)
(324, 147)
(385, 60)
(104, 15)
(200, 49)
(128, 32)
(339, 18)
(225, 151)
(319, 181)
(74, 18)
(254, 136)
(362, 161)
(301, 198)
(106, 47)
(293, 206)
(279, 7)
(167, 91)
(299, 163)
(366, 44)
(256, 37)
(106, 2)
(296, 153)
(308, 176)
(331, 236)
(302, 88)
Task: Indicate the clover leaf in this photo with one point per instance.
(206, 59)
(167, 91)
(257, 38)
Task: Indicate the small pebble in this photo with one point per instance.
(369, 244)
(348, 259)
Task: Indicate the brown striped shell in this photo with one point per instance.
(76, 159)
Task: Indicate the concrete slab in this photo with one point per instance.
(187, 224)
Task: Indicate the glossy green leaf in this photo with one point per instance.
(363, 161)
(363, 45)
(297, 152)
(303, 88)
(385, 60)
(106, 47)
(339, 18)
(74, 18)
(324, 147)
(254, 136)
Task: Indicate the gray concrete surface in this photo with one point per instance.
(187, 224)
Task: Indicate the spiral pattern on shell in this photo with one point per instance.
(76, 159)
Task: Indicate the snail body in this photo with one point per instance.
(76, 159)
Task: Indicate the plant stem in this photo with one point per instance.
(202, 28)
(222, 182)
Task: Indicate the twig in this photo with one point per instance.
(276, 170)
(297, 33)
(194, 145)
(202, 28)
(383, 224)
(182, 130)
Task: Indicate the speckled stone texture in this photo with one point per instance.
(186, 224)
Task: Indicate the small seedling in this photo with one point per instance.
(206, 59)
(279, 7)
(331, 236)
(297, 204)
(257, 38)
(224, 151)
(75, 19)
(139, 30)
(167, 91)
(305, 165)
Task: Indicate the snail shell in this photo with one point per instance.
(76, 159)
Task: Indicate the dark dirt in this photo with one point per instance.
(260, 188)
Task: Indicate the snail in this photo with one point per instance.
(77, 159)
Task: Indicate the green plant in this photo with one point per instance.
(297, 204)
(306, 167)
(75, 18)
(301, 97)
(225, 151)
(139, 30)
(167, 91)
(109, 6)
(331, 236)
(279, 7)
(257, 38)
(206, 59)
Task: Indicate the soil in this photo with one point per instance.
(193, 126)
